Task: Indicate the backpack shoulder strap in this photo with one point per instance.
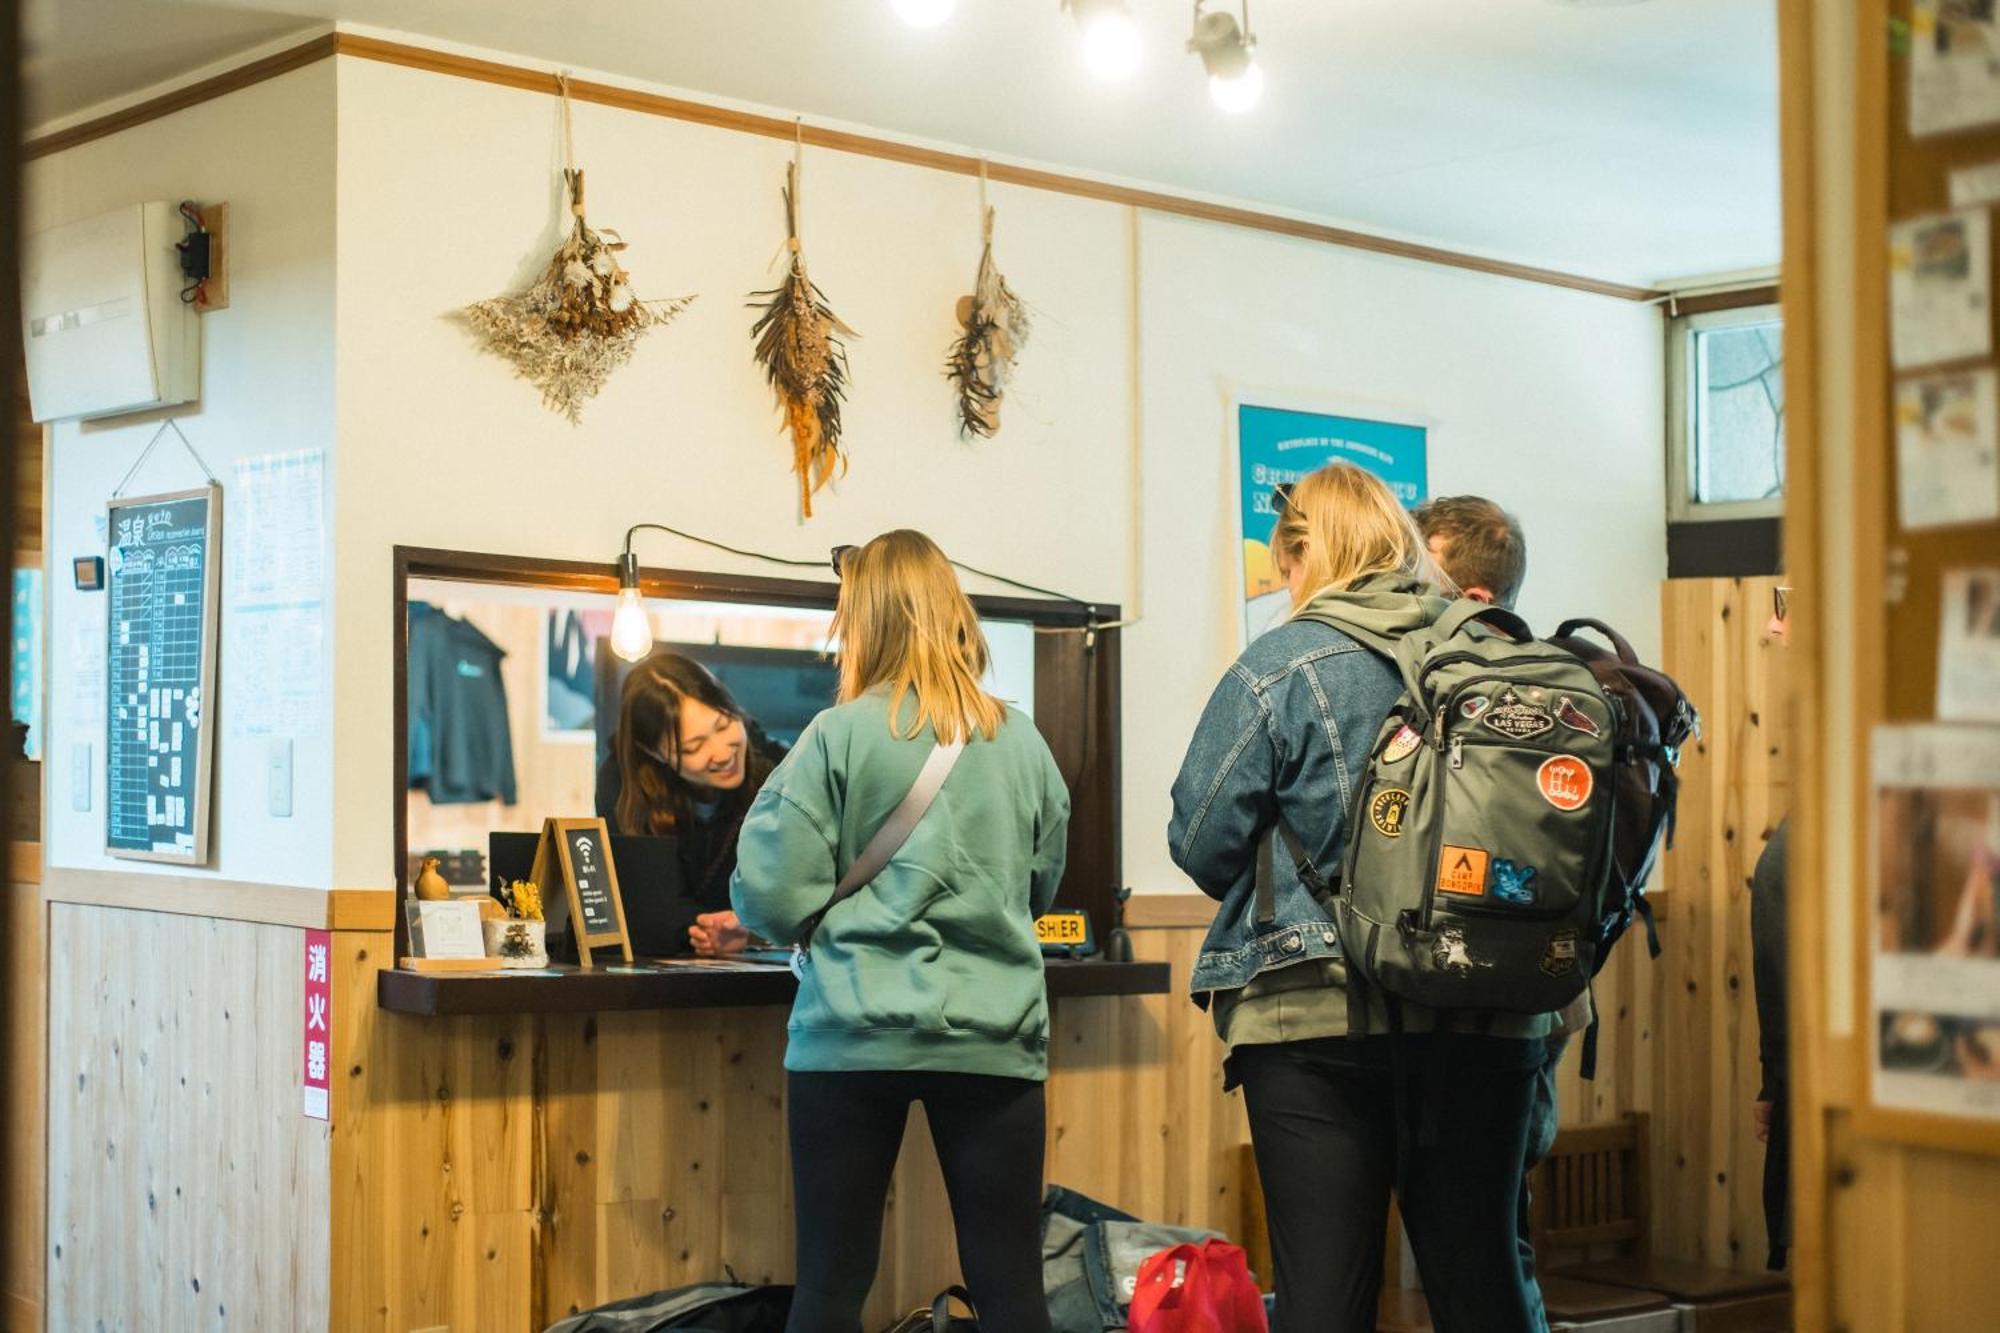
(894, 832)
(1619, 644)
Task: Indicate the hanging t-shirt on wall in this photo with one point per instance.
(461, 747)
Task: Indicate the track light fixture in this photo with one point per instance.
(1110, 36)
(1228, 51)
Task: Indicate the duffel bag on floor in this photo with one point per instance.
(707, 1307)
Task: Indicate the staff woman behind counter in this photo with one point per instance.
(685, 764)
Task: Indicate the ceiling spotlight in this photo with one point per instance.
(923, 13)
(1110, 37)
(1228, 51)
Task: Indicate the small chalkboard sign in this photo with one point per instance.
(163, 573)
(578, 853)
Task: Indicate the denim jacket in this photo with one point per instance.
(1288, 731)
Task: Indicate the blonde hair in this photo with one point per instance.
(1342, 524)
(902, 621)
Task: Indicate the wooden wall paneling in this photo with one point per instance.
(23, 987)
(567, 1268)
(1199, 1127)
(1707, 1204)
(182, 1172)
(757, 1207)
(359, 1162)
(1682, 1126)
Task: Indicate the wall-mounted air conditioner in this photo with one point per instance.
(102, 318)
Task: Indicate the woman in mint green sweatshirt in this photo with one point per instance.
(926, 983)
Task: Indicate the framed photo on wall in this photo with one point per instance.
(1932, 1018)
(1274, 438)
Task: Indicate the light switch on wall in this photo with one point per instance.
(278, 769)
(80, 777)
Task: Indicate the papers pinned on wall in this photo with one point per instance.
(1940, 289)
(1948, 449)
(1968, 688)
(277, 595)
(1954, 65)
(1935, 973)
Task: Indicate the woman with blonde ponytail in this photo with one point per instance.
(924, 984)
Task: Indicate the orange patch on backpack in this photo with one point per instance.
(1565, 782)
(1462, 870)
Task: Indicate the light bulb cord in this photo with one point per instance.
(628, 561)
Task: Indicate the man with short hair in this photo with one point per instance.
(1481, 548)
(1478, 544)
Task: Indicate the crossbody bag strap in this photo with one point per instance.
(894, 832)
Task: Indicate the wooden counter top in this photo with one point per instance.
(573, 990)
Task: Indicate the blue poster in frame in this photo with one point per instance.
(1280, 444)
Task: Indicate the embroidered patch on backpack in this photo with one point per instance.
(1565, 782)
(1575, 718)
(1473, 707)
(1462, 870)
(1401, 746)
(1560, 957)
(1387, 810)
(1510, 883)
(1450, 954)
(1515, 718)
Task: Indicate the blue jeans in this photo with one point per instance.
(1441, 1119)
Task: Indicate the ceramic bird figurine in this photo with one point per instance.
(430, 884)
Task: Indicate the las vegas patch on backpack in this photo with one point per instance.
(1479, 849)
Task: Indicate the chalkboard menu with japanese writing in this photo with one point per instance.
(163, 575)
(578, 851)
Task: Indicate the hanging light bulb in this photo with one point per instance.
(1239, 94)
(923, 13)
(1228, 52)
(1110, 37)
(631, 628)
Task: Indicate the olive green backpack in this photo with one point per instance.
(1478, 863)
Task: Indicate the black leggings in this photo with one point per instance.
(846, 1130)
(1335, 1122)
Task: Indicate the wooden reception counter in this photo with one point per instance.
(507, 1149)
(573, 990)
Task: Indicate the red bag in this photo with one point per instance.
(1190, 1289)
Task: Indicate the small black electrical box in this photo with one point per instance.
(89, 573)
(194, 256)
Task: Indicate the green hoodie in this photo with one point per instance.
(934, 964)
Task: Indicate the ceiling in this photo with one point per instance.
(1631, 141)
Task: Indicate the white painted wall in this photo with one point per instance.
(448, 195)
(267, 386)
(1549, 401)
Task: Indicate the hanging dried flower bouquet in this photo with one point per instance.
(578, 322)
(994, 326)
(799, 345)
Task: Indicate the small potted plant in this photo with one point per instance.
(520, 938)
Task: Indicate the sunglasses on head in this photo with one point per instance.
(839, 560)
(1281, 499)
